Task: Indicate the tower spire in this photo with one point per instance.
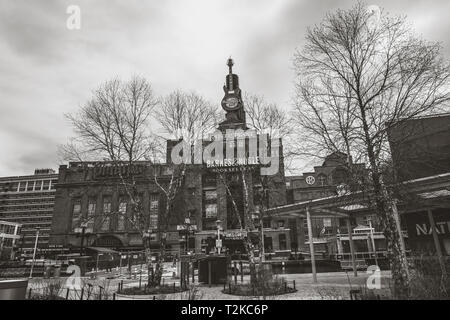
(230, 64)
(232, 101)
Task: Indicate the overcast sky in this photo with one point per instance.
(47, 70)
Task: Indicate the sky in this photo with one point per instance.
(47, 70)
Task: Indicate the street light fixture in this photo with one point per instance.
(218, 241)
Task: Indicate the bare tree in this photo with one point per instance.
(245, 219)
(114, 126)
(186, 116)
(269, 118)
(358, 74)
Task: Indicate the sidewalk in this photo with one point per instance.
(329, 286)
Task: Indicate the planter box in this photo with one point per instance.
(13, 289)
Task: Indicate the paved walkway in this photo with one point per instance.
(329, 286)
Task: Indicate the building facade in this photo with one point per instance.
(421, 153)
(330, 179)
(9, 239)
(210, 205)
(29, 200)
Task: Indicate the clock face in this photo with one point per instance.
(231, 102)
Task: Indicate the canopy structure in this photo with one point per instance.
(102, 250)
(422, 194)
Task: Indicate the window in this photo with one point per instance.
(280, 223)
(38, 185)
(266, 223)
(282, 241)
(154, 203)
(46, 185)
(22, 186)
(122, 214)
(30, 185)
(76, 213)
(91, 212)
(211, 210)
(327, 222)
(322, 180)
(154, 211)
(104, 226)
(210, 194)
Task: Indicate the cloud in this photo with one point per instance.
(47, 70)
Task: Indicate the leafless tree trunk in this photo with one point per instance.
(356, 77)
(114, 126)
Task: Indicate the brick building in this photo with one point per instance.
(329, 179)
(88, 190)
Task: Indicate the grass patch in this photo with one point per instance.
(271, 288)
(164, 289)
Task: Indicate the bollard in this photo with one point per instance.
(285, 286)
(82, 293)
(67, 294)
(209, 273)
(174, 287)
(114, 296)
(294, 284)
(188, 264)
(118, 287)
(100, 294)
(29, 294)
(121, 285)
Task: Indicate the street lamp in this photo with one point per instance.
(373, 242)
(34, 252)
(218, 241)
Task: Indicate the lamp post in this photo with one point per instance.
(373, 242)
(34, 252)
(218, 241)
(83, 232)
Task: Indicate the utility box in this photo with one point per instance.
(213, 269)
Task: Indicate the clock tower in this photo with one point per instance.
(232, 102)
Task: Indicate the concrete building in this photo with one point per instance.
(28, 200)
(9, 239)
